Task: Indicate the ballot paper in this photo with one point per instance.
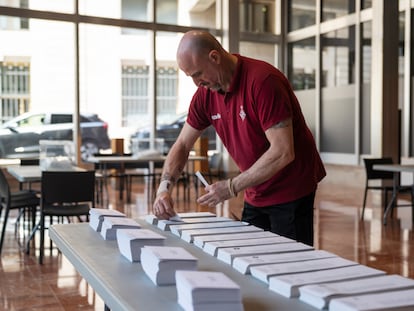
(177, 229)
(264, 272)
(111, 224)
(227, 254)
(130, 242)
(289, 285)
(402, 300)
(153, 220)
(165, 224)
(207, 290)
(213, 247)
(243, 263)
(319, 295)
(161, 262)
(199, 241)
(189, 235)
(97, 215)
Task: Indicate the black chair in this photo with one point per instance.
(26, 201)
(384, 180)
(65, 194)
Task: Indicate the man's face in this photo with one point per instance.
(203, 71)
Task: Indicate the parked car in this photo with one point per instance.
(169, 132)
(19, 137)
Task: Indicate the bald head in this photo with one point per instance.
(197, 43)
(201, 57)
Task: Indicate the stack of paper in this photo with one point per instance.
(207, 290)
(161, 262)
(153, 220)
(165, 224)
(177, 229)
(111, 224)
(188, 235)
(264, 272)
(213, 247)
(97, 215)
(319, 295)
(289, 285)
(227, 254)
(243, 263)
(201, 240)
(391, 301)
(130, 242)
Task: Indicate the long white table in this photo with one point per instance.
(397, 169)
(125, 286)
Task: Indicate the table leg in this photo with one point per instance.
(394, 197)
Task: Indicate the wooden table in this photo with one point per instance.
(125, 286)
(397, 169)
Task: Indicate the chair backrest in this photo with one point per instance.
(68, 187)
(375, 174)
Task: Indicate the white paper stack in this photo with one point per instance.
(213, 247)
(264, 272)
(97, 215)
(161, 262)
(227, 254)
(201, 240)
(111, 224)
(177, 229)
(188, 235)
(243, 264)
(165, 224)
(319, 295)
(207, 290)
(290, 284)
(153, 220)
(130, 242)
(391, 301)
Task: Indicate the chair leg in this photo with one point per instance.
(3, 231)
(42, 238)
(363, 204)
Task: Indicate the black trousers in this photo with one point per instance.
(293, 220)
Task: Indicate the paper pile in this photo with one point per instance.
(111, 224)
(97, 215)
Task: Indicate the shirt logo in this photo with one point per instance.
(216, 116)
(242, 114)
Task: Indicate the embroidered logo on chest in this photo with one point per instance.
(216, 116)
(242, 114)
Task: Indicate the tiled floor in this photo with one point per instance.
(55, 285)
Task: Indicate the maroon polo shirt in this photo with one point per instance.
(259, 97)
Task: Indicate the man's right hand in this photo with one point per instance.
(163, 207)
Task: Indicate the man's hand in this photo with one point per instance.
(163, 207)
(216, 193)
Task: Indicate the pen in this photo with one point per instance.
(201, 178)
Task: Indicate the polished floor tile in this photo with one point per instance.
(55, 285)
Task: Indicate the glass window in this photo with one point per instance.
(14, 89)
(332, 9)
(365, 4)
(167, 12)
(263, 51)
(301, 74)
(338, 57)
(338, 91)
(302, 64)
(257, 16)
(301, 14)
(187, 13)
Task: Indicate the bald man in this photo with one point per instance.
(253, 108)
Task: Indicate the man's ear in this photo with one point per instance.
(214, 56)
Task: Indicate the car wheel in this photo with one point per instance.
(88, 148)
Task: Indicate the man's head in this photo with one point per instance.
(201, 57)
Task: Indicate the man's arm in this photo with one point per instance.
(280, 153)
(174, 164)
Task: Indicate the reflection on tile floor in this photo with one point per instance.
(57, 286)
